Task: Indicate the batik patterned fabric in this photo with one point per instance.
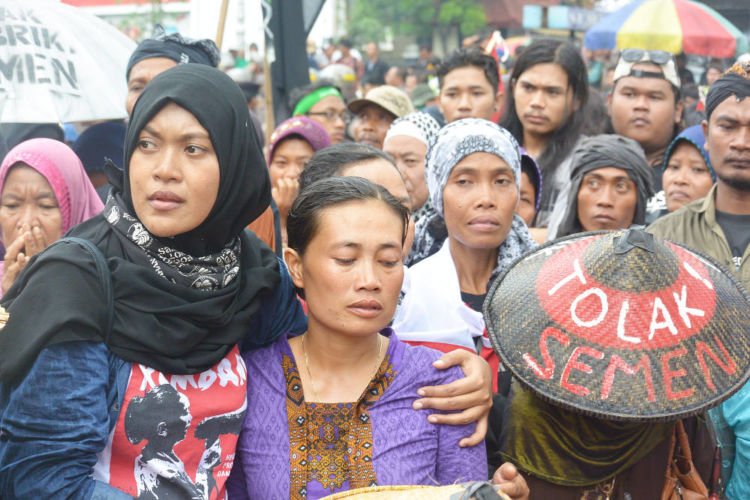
(391, 442)
(331, 444)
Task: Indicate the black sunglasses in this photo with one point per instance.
(659, 57)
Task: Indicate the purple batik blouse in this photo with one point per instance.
(289, 448)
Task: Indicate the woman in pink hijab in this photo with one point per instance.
(44, 191)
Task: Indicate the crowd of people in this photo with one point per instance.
(195, 313)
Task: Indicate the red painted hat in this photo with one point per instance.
(622, 325)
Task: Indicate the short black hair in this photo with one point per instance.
(690, 90)
(470, 57)
(595, 114)
(401, 71)
(331, 161)
(302, 222)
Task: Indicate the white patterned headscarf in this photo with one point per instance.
(459, 139)
(424, 128)
(419, 125)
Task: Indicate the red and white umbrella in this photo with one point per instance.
(671, 25)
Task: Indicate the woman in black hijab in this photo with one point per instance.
(187, 285)
(184, 288)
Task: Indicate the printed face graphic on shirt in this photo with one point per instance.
(176, 434)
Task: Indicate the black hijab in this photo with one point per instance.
(607, 150)
(160, 320)
(216, 101)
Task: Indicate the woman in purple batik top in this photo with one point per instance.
(331, 410)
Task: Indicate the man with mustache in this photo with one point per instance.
(375, 113)
(719, 225)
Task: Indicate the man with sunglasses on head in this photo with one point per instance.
(645, 102)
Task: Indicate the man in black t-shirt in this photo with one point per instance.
(375, 68)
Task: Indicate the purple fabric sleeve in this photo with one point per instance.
(411, 450)
(456, 464)
(263, 446)
(236, 485)
(407, 448)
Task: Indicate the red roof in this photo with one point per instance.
(509, 13)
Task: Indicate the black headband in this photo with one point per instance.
(639, 73)
(175, 47)
(731, 84)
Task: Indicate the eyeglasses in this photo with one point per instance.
(659, 57)
(331, 115)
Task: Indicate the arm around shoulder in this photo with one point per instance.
(454, 462)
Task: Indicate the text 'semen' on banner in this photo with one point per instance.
(32, 52)
(622, 325)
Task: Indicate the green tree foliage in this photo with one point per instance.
(419, 18)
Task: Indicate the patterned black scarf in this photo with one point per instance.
(208, 272)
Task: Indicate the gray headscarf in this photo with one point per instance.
(607, 150)
(459, 139)
(454, 142)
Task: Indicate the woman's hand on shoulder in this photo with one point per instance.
(470, 396)
(511, 482)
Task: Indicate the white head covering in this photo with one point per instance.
(419, 125)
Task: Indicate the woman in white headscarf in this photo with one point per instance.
(407, 141)
(473, 173)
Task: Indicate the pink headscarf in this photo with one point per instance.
(76, 196)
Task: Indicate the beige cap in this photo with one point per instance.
(668, 69)
(393, 100)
